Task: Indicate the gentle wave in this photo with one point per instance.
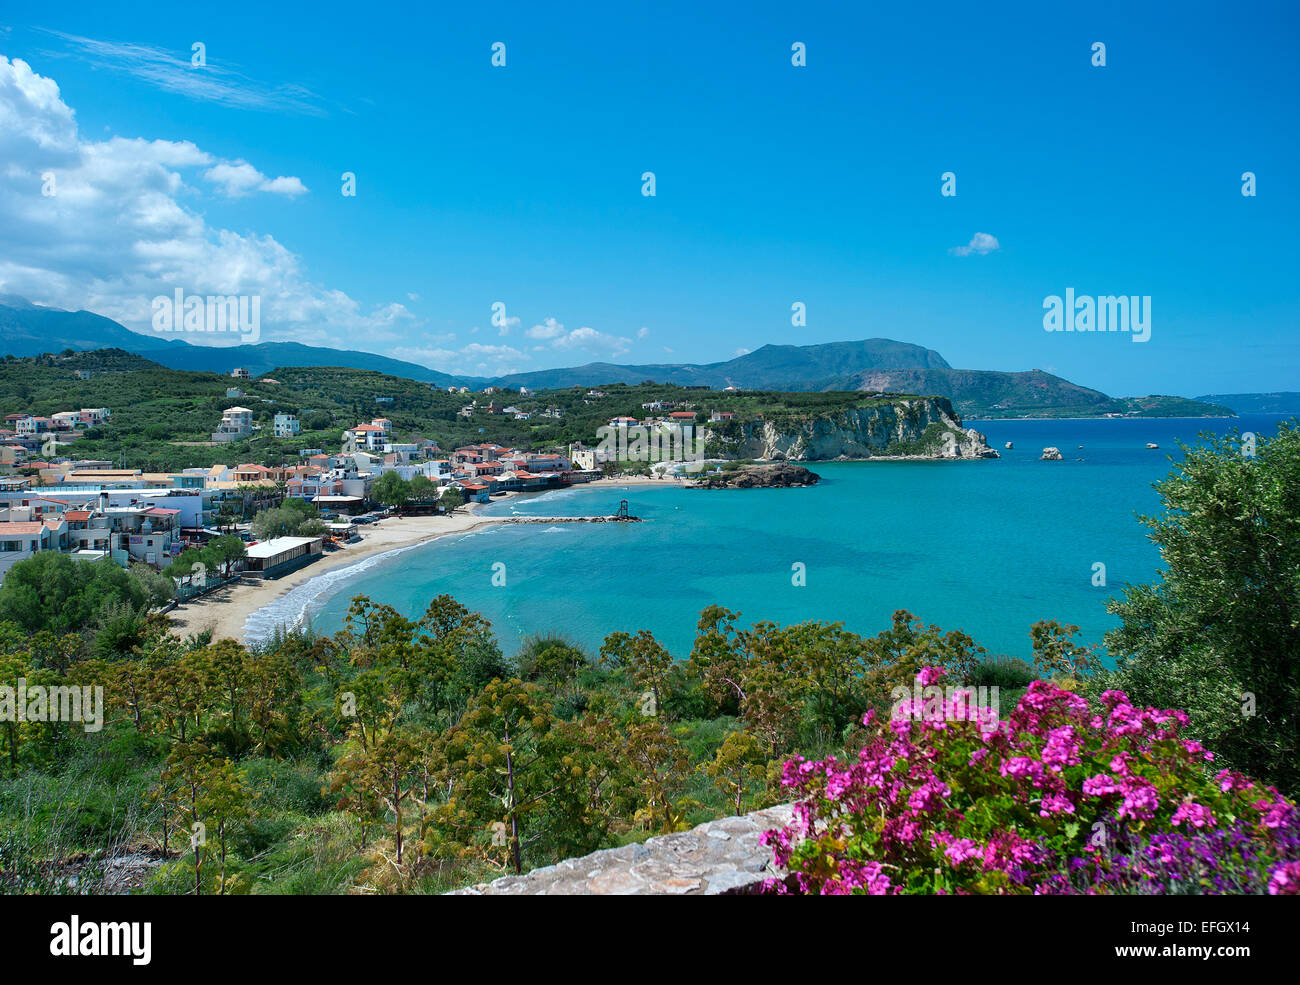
(292, 609)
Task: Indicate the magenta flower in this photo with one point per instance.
(1100, 785)
(1054, 803)
(1194, 814)
(960, 806)
(1285, 880)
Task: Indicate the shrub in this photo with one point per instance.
(1218, 634)
(964, 803)
(1002, 672)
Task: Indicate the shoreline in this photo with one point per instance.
(227, 610)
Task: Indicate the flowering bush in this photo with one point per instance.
(1058, 797)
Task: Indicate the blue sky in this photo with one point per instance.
(774, 184)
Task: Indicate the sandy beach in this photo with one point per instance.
(226, 610)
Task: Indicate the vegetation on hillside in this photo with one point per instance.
(1219, 633)
(986, 394)
(163, 419)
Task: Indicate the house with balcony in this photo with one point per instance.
(236, 424)
(311, 484)
(30, 425)
(287, 425)
(137, 533)
(368, 436)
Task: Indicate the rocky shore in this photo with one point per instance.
(778, 475)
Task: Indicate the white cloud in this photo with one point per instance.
(642, 332)
(122, 228)
(548, 329)
(586, 339)
(590, 340)
(979, 245)
(741, 352)
(239, 178)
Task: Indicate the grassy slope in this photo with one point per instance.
(156, 409)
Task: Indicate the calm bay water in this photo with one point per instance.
(989, 547)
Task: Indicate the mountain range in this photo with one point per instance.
(1285, 402)
(876, 365)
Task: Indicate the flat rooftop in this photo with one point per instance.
(277, 545)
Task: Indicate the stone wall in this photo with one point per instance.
(715, 859)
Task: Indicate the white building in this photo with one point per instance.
(287, 425)
(236, 423)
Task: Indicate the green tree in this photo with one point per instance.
(391, 490)
(277, 522)
(451, 500)
(739, 766)
(1219, 634)
(158, 589)
(500, 762)
(119, 629)
(227, 549)
(225, 800)
(422, 488)
(312, 527)
(659, 767)
(645, 662)
(375, 783)
(51, 591)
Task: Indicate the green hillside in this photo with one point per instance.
(1282, 402)
(990, 394)
(163, 418)
(773, 367)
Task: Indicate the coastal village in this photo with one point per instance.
(90, 509)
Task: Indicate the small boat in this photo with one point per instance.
(1010, 445)
(1152, 444)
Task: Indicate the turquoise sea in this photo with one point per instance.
(989, 547)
